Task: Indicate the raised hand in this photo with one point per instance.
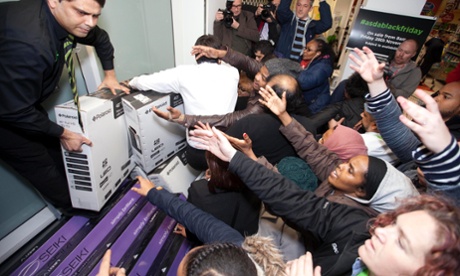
(271, 100)
(278, 106)
(367, 64)
(370, 70)
(427, 122)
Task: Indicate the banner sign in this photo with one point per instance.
(383, 32)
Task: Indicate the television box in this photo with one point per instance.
(95, 173)
(153, 139)
(175, 175)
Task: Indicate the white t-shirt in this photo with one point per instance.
(377, 147)
(206, 88)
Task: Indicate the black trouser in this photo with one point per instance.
(37, 158)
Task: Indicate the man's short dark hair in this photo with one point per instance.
(210, 41)
(100, 2)
(356, 86)
(264, 46)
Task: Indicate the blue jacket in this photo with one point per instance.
(207, 228)
(288, 22)
(314, 83)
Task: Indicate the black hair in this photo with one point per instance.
(325, 50)
(221, 177)
(268, 57)
(356, 86)
(294, 97)
(100, 2)
(264, 46)
(219, 259)
(210, 41)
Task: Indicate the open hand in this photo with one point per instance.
(427, 122)
(214, 141)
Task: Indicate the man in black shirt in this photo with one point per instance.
(32, 35)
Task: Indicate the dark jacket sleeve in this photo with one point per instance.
(99, 38)
(301, 208)
(242, 62)
(226, 120)
(325, 22)
(22, 68)
(207, 228)
(284, 13)
(329, 112)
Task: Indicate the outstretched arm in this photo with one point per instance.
(383, 106)
(205, 226)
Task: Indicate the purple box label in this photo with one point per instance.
(71, 264)
(183, 250)
(44, 254)
(151, 251)
(129, 235)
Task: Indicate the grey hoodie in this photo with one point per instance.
(393, 187)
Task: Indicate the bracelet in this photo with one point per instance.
(179, 120)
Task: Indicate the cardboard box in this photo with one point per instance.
(94, 174)
(153, 139)
(175, 175)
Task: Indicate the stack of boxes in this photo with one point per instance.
(126, 135)
(95, 173)
(124, 132)
(158, 145)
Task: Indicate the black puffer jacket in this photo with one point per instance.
(349, 109)
(340, 229)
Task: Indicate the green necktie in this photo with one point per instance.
(68, 47)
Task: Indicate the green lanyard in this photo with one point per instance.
(365, 272)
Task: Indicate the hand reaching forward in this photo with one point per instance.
(173, 114)
(214, 141)
(303, 266)
(245, 145)
(427, 122)
(145, 186)
(106, 270)
(200, 51)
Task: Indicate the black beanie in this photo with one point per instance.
(375, 173)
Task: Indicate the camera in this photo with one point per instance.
(228, 17)
(266, 9)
